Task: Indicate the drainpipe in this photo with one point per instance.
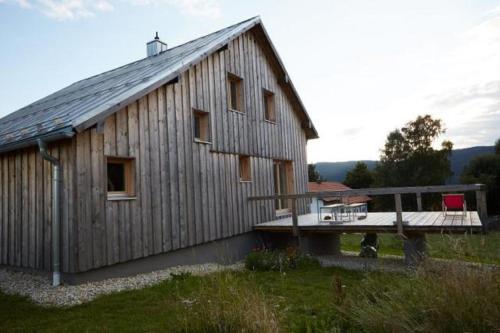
(56, 220)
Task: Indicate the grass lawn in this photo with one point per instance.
(302, 296)
(310, 299)
(477, 247)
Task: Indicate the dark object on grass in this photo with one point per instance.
(369, 246)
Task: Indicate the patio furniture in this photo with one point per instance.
(335, 211)
(355, 209)
(454, 202)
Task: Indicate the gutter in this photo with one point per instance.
(63, 133)
(56, 218)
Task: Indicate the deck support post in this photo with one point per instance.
(323, 243)
(481, 207)
(414, 246)
(295, 223)
(419, 201)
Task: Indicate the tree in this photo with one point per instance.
(314, 175)
(359, 176)
(408, 158)
(485, 169)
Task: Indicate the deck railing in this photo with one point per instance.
(479, 189)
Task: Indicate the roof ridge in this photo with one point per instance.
(165, 52)
(6, 120)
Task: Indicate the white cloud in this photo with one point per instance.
(74, 9)
(204, 8)
(469, 95)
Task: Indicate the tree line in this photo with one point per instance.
(408, 158)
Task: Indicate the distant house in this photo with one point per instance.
(332, 186)
(158, 158)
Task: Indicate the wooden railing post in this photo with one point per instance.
(295, 222)
(399, 213)
(481, 207)
(419, 201)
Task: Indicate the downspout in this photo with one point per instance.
(56, 219)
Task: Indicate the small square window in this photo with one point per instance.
(201, 125)
(120, 176)
(235, 93)
(269, 112)
(245, 169)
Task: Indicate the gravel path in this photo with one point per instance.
(40, 290)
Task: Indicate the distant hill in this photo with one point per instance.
(461, 157)
(336, 171)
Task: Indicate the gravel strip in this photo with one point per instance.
(40, 290)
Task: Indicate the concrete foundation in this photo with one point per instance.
(224, 251)
(321, 244)
(414, 248)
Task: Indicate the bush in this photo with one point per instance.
(222, 304)
(278, 260)
(439, 298)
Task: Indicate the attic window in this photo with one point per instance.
(245, 169)
(120, 177)
(269, 110)
(235, 93)
(201, 126)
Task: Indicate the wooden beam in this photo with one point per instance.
(481, 207)
(399, 213)
(377, 191)
(419, 201)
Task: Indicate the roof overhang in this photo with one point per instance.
(60, 134)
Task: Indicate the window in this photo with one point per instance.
(201, 126)
(235, 93)
(245, 169)
(283, 183)
(120, 176)
(269, 112)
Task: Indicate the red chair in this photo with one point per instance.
(455, 202)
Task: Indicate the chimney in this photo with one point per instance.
(156, 46)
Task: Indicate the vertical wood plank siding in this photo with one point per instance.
(187, 192)
(26, 212)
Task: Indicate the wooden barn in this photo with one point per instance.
(154, 160)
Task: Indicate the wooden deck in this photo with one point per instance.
(428, 222)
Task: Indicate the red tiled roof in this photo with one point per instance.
(334, 186)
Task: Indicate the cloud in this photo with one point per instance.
(468, 97)
(74, 9)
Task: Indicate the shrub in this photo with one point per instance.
(278, 260)
(222, 304)
(439, 298)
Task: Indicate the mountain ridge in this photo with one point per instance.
(336, 171)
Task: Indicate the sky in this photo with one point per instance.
(362, 68)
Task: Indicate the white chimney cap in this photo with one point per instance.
(155, 47)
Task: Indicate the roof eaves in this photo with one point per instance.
(313, 134)
(59, 134)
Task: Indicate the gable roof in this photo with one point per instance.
(335, 186)
(86, 102)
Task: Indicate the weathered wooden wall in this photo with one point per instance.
(187, 193)
(26, 207)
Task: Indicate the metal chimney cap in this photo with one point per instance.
(156, 37)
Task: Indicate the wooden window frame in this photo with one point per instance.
(129, 174)
(280, 206)
(205, 133)
(240, 96)
(269, 101)
(245, 166)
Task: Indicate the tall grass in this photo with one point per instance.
(438, 298)
(221, 304)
